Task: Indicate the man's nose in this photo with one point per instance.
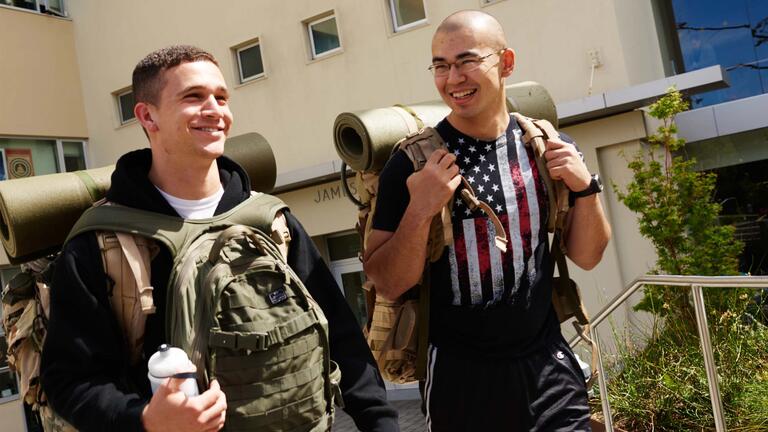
(454, 75)
(211, 107)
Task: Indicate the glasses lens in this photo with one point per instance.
(439, 69)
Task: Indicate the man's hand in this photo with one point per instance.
(171, 410)
(433, 186)
(564, 163)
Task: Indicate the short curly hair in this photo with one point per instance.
(147, 75)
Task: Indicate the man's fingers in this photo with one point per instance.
(455, 182)
(447, 160)
(213, 417)
(437, 155)
(214, 385)
(554, 144)
(453, 170)
(171, 385)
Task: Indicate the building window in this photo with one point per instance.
(407, 13)
(26, 157)
(741, 164)
(343, 251)
(732, 34)
(53, 7)
(323, 36)
(249, 62)
(125, 103)
(73, 155)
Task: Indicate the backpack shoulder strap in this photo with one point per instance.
(126, 259)
(535, 132)
(420, 145)
(258, 211)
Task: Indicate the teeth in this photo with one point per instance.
(208, 129)
(462, 94)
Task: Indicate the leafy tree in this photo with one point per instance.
(676, 212)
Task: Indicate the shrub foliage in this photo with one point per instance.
(662, 386)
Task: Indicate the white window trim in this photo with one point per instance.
(309, 25)
(60, 166)
(244, 80)
(393, 14)
(60, 153)
(53, 12)
(120, 119)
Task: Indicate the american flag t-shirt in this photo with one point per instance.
(504, 175)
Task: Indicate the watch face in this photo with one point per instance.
(598, 183)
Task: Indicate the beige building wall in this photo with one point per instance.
(295, 104)
(12, 417)
(59, 76)
(39, 77)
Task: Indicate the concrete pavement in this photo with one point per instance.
(411, 418)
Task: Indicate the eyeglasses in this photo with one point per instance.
(463, 66)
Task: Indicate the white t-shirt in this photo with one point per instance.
(194, 209)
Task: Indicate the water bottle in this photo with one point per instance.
(171, 362)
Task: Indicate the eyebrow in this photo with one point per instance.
(193, 88)
(460, 56)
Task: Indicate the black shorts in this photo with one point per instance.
(542, 392)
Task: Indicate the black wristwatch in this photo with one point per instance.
(595, 186)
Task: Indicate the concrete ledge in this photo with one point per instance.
(626, 99)
(723, 119)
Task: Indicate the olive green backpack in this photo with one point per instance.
(240, 313)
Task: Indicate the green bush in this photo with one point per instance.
(662, 386)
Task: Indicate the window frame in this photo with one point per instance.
(240, 48)
(317, 20)
(42, 7)
(62, 165)
(410, 25)
(59, 146)
(117, 95)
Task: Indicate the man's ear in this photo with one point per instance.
(507, 62)
(143, 113)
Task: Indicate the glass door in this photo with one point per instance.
(350, 277)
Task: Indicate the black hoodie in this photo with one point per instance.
(85, 370)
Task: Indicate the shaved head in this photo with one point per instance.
(486, 28)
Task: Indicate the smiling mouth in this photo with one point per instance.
(208, 129)
(463, 94)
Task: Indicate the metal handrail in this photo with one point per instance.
(695, 283)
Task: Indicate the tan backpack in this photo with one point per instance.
(26, 309)
(397, 330)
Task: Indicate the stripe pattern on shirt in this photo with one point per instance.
(504, 175)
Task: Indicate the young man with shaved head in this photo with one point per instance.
(497, 360)
(87, 373)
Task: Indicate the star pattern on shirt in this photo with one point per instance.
(478, 164)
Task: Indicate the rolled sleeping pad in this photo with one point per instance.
(253, 152)
(364, 139)
(36, 213)
(532, 100)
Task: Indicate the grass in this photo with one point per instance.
(663, 386)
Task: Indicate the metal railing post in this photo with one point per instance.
(601, 380)
(695, 283)
(709, 358)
